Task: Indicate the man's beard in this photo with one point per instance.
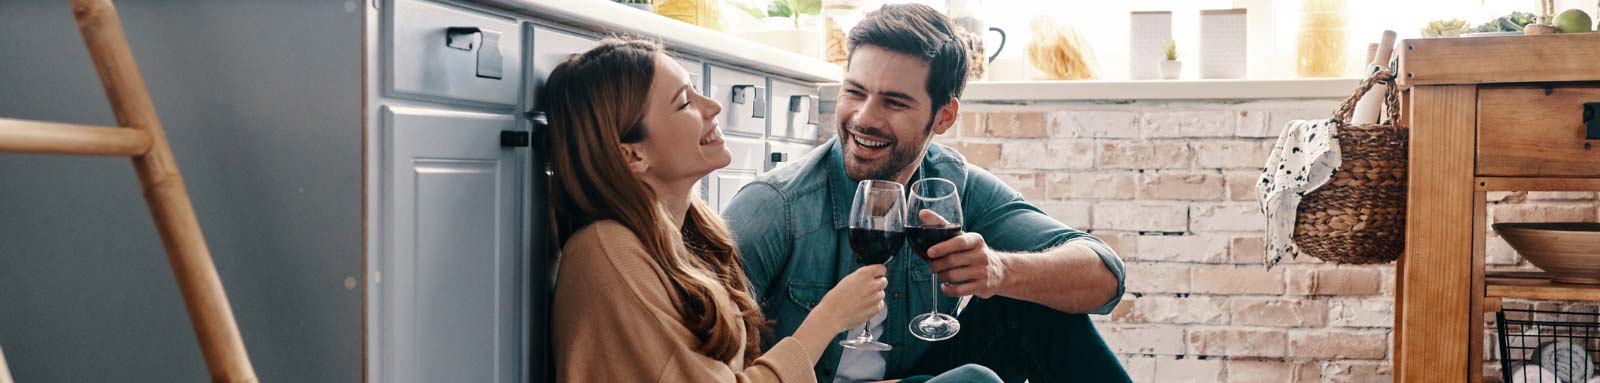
(902, 157)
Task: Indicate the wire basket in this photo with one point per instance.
(1539, 346)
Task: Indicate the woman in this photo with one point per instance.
(649, 286)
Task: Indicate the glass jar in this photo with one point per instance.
(1323, 36)
(703, 13)
(838, 17)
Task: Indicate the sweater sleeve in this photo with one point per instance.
(615, 321)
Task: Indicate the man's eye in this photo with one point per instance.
(897, 105)
(855, 93)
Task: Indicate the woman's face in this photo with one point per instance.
(682, 138)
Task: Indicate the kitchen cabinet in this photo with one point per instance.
(1483, 123)
(364, 173)
(453, 249)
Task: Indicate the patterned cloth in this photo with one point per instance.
(1306, 157)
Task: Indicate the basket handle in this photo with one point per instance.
(1391, 98)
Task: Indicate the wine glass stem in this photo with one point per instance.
(866, 331)
(933, 296)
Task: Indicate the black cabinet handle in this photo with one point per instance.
(780, 157)
(515, 139)
(1591, 118)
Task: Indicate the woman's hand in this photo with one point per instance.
(854, 300)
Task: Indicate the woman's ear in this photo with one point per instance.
(634, 154)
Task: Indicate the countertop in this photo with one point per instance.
(607, 17)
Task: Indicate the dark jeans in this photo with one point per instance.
(1022, 340)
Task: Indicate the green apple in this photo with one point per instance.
(1573, 21)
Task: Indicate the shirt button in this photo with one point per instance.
(896, 295)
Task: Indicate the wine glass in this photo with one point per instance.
(933, 216)
(877, 231)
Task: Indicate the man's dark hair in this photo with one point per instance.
(920, 31)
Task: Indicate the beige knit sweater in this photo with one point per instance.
(615, 321)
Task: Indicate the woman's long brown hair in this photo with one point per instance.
(595, 102)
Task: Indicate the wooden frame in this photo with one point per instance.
(145, 141)
(1442, 290)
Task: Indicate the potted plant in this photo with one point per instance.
(1171, 67)
(643, 5)
(780, 25)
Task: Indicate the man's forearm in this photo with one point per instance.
(1069, 278)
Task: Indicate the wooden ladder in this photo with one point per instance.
(138, 135)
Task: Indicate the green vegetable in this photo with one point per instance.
(1513, 22)
(1573, 21)
(1445, 28)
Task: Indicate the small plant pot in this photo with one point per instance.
(1170, 69)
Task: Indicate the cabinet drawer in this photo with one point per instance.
(441, 51)
(724, 185)
(744, 100)
(784, 153)
(748, 153)
(793, 111)
(1536, 131)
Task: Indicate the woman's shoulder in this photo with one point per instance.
(608, 245)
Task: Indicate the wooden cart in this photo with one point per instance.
(1487, 114)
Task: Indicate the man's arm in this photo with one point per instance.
(758, 218)
(1015, 250)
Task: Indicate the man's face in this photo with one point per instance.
(885, 114)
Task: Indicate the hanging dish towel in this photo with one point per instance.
(1307, 155)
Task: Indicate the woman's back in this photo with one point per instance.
(616, 320)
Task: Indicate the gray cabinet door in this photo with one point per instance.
(447, 291)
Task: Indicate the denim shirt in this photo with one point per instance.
(792, 229)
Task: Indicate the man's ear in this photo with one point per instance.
(946, 117)
(634, 154)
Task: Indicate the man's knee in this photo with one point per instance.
(968, 373)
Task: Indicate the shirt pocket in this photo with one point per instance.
(807, 294)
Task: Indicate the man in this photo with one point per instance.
(1035, 276)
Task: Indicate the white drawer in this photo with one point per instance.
(748, 153)
(744, 100)
(793, 111)
(446, 52)
(725, 184)
(783, 153)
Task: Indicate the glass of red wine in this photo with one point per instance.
(933, 215)
(877, 232)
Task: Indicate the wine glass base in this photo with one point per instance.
(934, 327)
(867, 345)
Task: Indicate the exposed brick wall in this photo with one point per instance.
(1169, 185)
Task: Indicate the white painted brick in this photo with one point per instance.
(1238, 342)
(1099, 185)
(1140, 368)
(1182, 248)
(1146, 278)
(1356, 372)
(1273, 371)
(1181, 185)
(1094, 124)
(1206, 123)
(1361, 312)
(1277, 312)
(1142, 216)
(1143, 155)
(1255, 123)
(1075, 214)
(1144, 339)
(1029, 184)
(1068, 154)
(1030, 154)
(1280, 118)
(1231, 154)
(1189, 370)
(1560, 196)
(1180, 310)
(1339, 344)
(1497, 252)
(1231, 216)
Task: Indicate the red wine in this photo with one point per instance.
(924, 237)
(875, 247)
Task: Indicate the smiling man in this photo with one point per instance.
(1035, 277)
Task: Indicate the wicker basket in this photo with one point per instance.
(1359, 216)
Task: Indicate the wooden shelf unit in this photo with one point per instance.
(1486, 114)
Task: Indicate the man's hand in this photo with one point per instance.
(966, 264)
